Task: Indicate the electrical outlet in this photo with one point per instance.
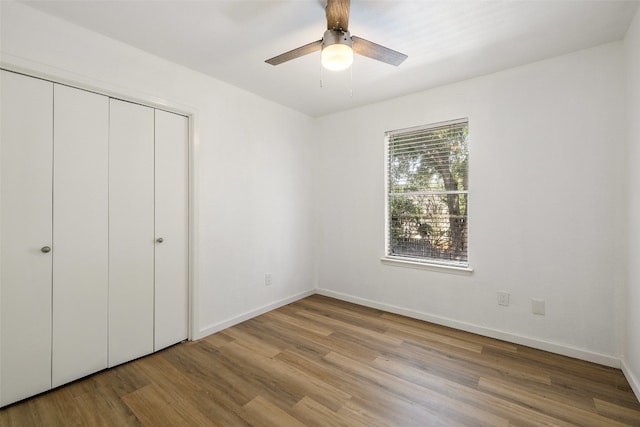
(267, 279)
(537, 306)
(503, 298)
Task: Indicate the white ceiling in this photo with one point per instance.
(446, 41)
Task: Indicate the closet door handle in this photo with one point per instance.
(159, 240)
(45, 249)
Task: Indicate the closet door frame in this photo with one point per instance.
(68, 78)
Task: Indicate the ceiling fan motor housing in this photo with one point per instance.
(332, 37)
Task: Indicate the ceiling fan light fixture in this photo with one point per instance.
(338, 46)
(337, 57)
(337, 54)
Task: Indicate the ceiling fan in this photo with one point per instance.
(338, 45)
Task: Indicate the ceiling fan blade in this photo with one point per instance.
(375, 51)
(296, 53)
(338, 15)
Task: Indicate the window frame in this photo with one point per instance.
(420, 262)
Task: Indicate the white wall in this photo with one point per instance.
(632, 348)
(252, 181)
(547, 201)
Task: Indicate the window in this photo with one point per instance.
(427, 185)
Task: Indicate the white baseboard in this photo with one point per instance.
(634, 381)
(217, 327)
(564, 350)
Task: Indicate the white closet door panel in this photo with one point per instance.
(172, 225)
(131, 241)
(80, 233)
(26, 123)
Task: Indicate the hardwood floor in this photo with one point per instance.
(324, 362)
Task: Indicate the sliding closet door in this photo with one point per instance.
(80, 233)
(131, 239)
(26, 107)
(172, 229)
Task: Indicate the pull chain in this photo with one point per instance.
(351, 81)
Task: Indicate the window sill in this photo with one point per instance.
(408, 263)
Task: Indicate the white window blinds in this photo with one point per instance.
(427, 193)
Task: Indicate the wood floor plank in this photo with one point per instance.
(324, 362)
(579, 369)
(344, 312)
(25, 413)
(264, 413)
(546, 405)
(299, 323)
(326, 303)
(357, 416)
(312, 413)
(281, 335)
(122, 379)
(219, 339)
(467, 365)
(355, 330)
(523, 416)
(390, 410)
(407, 333)
(152, 408)
(617, 412)
(59, 409)
(366, 402)
(286, 384)
(584, 386)
(252, 343)
(316, 344)
(100, 407)
(216, 374)
(223, 390)
(415, 393)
